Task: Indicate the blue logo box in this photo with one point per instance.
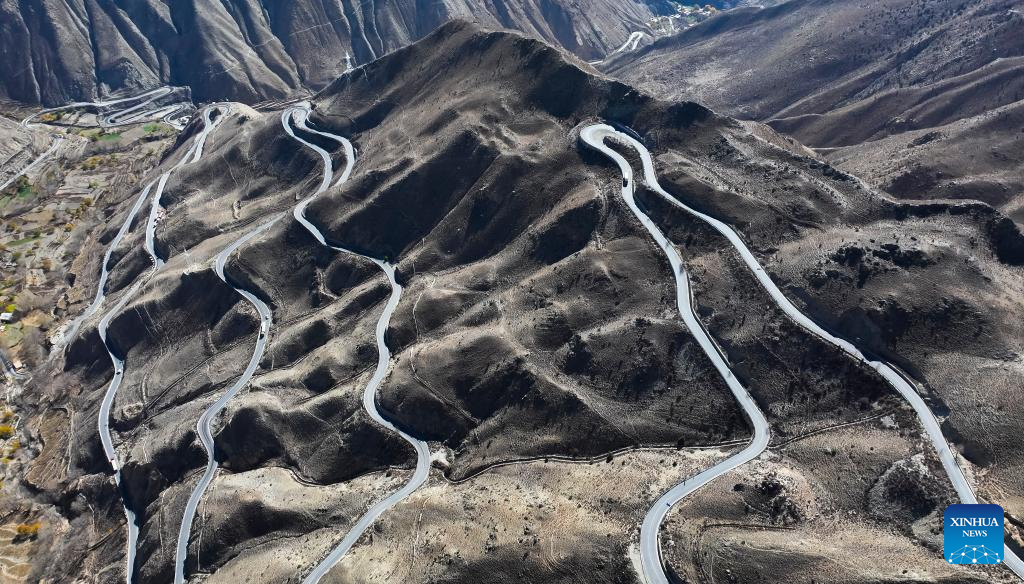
(973, 534)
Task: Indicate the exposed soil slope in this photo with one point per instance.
(538, 326)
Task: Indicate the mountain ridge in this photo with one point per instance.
(860, 82)
(538, 346)
(249, 51)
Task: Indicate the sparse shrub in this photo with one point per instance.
(28, 530)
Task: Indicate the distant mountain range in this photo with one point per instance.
(56, 51)
(921, 97)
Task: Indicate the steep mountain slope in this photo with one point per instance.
(536, 345)
(979, 157)
(844, 75)
(57, 51)
(19, 146)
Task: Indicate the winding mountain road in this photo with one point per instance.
(300, 114)
(133, 114)
(193, 154)
(630, 45)
(57, 140)
(103, 418)
(653, 572)
(96, 104)
(650, 556)
(205, 423)
(101, 286)
(104, 427)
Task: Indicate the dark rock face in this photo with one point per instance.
(533, 257)
(250, 50)
(1007, 240)
(882, 67)
(906, 490)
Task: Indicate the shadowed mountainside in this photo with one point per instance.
(250, 50)
(537, 323)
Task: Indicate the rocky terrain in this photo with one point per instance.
(537, 345)
(920, 97)
(57, 51)
(18, 148)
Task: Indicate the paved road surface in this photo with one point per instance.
(300, 113)
(57, 139)
(193, 153)
(649, 551)
(205, 423)
(132, 114)
(103, 418)
(653, 573)
(630, 45)
(103, 422)
(101, 287)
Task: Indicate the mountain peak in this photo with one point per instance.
(516, 72)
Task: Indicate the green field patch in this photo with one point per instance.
(96, 134)
(25, 240)
(154, 127)
(25, 191)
